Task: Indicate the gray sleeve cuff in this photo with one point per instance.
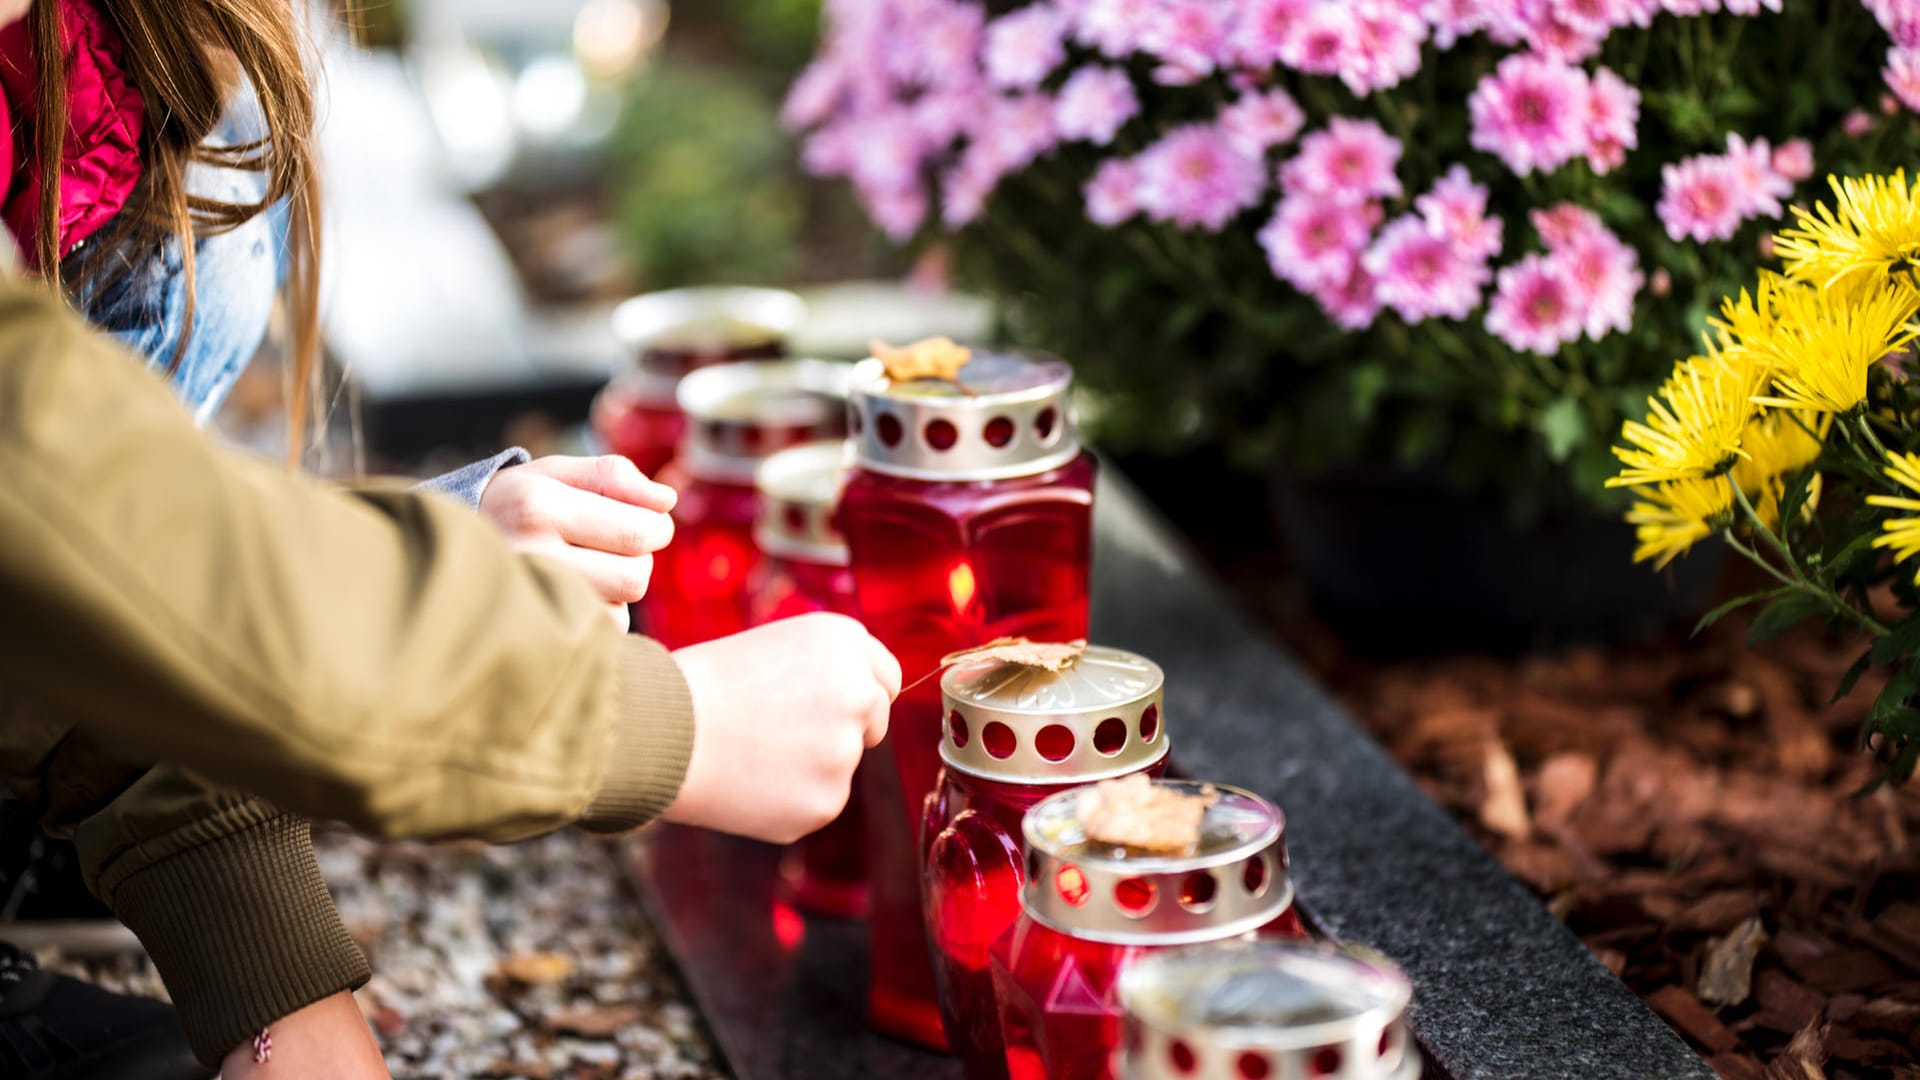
(469, 482)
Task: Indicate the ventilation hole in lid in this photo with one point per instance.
(998, 432)
(957, 727)
(1135, 896)
(889, 430)
(1111, 736)
(1197, 891)
(1055, 742)
(998, 739)
(941, 434)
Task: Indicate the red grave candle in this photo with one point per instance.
(1270, 1009)
(803, 569)
(1013, 736)
(969, 516)
(670, 334)
(1089, 911)
(738, 416)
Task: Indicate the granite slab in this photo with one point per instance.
(1503, 990)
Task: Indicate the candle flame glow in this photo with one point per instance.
(961, 586)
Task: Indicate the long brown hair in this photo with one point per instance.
(186, 57)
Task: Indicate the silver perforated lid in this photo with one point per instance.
(799, 489)
(1100, 716)
(1274, 1009)
(675, 331)
(1235, 881)
(740, 414)
(1010, 415)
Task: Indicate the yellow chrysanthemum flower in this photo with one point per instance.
(1693, 424)
(1824, 342)
(1747, 318)
(1775, 447)
(1874, 227)
(1672, 517)
(1901, 534)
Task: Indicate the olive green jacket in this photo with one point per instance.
(377, 657)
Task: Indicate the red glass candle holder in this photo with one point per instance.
(969, 516)
(738, 416)
(1013, 736)
(803, 569)
(1090, 911)
(1267, 1009)
(670, 334)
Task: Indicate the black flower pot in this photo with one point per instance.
(1399, 562)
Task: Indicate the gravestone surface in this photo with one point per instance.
(1502, 989)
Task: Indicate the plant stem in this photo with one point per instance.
(1798, 581)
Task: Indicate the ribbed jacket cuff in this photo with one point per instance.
(243, 932)
(651, 740)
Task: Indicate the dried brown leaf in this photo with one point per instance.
(932, 358)
(601, 1023)
(1135, 813)
(1803, 1058)
(1563, 783)
(1047, 656)
(537, 969)
(1504, 807)
(1727, 976)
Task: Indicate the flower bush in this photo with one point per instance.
(1385, 232)
(1792, 434)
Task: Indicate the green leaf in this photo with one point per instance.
(1854, 671)
(1784, 614)
(1794, 498)
(1902, 642)
(1893, 696)
(1564, 426)
(1736, 604)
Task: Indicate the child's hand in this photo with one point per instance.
(597, 514)
(781, 715)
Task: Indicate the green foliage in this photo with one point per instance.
(1189, 339)
(701, 179)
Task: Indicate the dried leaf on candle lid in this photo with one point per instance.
(1048, 656)
(1134, 812)
(934, 358)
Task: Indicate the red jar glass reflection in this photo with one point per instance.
(1267, 1009)
(1014, 735)
(969, 517)
(738, 416)
(670, 334)
(1089, 912)
(803, 570)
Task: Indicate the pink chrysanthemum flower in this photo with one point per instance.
(898, 212)
(1263, 29)
(1533, 308)
(1112, 193)
(1319, 40)
(1565, 226)
(1384, 47)
(1751, 7)
(1613, 120)
(1690, 7)
(1454, 19)
(1195, 177)
(1352, 302)
(1793, 159)
(814, 96)
(1761, 187)
(1259, 121)
(887, 149)
(944, 114)
(1605, 275)
(1314, 243)
(1455, 210)
(1701, 199)
(1899, 18)
(1351, 160)
(1023, 47)
(1902, 74)
(943, 45)
(1094, 104)
(1190, 38)
(1531, 113)
(1115, 27)
(1421, 275)
(1010, 131)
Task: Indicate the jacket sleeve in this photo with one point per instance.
(469, 482)
(376, 657)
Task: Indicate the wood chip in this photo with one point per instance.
(1693, 1019)
(1504, 807)
(1727, 976)
(933, 358)
(1777, 992)
(1846, 969)
(1735, 1067)
(1047, 656)
(1564, 782)
(537, 969)
(1135, 813)
(1718, 912)
(601, 1023)
(1885, 1014)
(1803, 1057)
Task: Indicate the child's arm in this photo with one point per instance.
(327, 1040)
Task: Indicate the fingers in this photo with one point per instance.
(587, 520)
(619, 579)
(622, 616)
(609, 475)
(886, 667)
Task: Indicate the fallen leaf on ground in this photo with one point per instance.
(537, 969)
(1564, 782)
(601, 1023)
(1727, 976)
(1803, 1058)
(1504, 809)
